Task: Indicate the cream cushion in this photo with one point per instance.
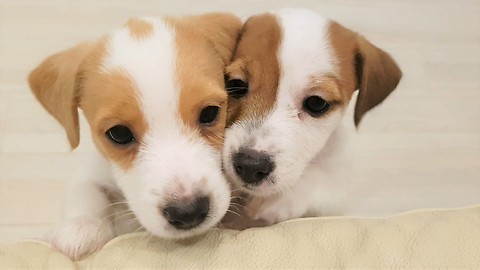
(420, 239)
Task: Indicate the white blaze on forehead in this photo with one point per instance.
(150, 64)
(305, 49)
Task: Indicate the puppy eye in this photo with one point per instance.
(236, 88)
(120, 135)
(208, 115)
(315, 106)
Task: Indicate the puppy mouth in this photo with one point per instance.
(181, 233)
(263, 189)
(256, 186)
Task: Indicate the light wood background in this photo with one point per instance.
(421, 148)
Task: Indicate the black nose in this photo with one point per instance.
(252, 166)
(184, 216)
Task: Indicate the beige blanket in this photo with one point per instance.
(422, 239)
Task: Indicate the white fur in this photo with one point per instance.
(86, 226)
(173, 161)
(310, 166)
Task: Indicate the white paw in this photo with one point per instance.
(272, 215)
(275, 211)
(80, 236)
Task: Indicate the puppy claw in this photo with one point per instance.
(80, 236)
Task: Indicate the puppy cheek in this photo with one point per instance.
(220, 190)
(141, 199)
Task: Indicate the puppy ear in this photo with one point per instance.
(377, 76)
(222, 30)
(54, 84)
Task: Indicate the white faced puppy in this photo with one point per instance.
(153, 95)
(291, 79)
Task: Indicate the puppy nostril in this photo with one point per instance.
(177, 223)
(260, 175)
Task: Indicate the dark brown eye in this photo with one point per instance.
(315, 106)
(208, 115)
(120, 135)
(236, 88)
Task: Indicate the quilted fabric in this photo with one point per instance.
(421, 239)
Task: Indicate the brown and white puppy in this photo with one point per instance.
(153, 95)
(291, 79)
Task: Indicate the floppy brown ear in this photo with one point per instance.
(377, 76)
(54, 84)
(222, 29)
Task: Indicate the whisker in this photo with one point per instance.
(233, 207)
(237, 189)
(139, 229)
(237, 205)
(233, 212)
(122, 216)
(128, 223)
(119, 202)
(116, 213)
(107, 207)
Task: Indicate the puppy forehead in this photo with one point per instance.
(144, 49)
(173, 67)
(299, 53)
(305, 51)
(256, 59)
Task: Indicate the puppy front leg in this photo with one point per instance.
(321, 193)
(86, 226)
(277, 208)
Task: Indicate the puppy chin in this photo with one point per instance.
(263, 190)
(165, 231)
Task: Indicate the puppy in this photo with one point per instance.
(153, 95)
(291, 79)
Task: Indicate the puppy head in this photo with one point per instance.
(153, 94)
(291, 79)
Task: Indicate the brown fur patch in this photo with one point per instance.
(54, 86)
(363, 66)
(343, 43)
(204, 46)
(329, 88)
(139, 29)
(255, 61)
(107, 100)
(72, 79)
